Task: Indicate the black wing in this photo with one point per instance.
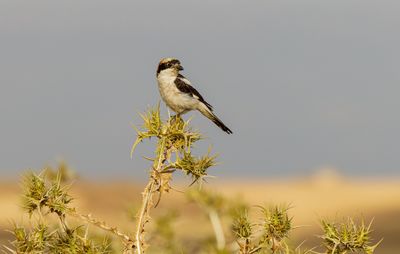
(184, 86)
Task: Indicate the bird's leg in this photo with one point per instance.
(176, 117)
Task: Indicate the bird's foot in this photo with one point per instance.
(175, 118)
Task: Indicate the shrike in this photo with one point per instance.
(178, 93)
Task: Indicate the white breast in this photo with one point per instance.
(175, 99)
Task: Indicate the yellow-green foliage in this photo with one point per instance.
(174, 137)
(46, 200)
(347, 237)
(268, 236)
(41, 199)
(39, 194)
(277, 223)
(242, 226)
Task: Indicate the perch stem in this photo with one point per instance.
(148, 193)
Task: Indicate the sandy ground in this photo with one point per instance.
(324, 195)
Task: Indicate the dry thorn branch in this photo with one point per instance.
(174, 138)
(128, 242)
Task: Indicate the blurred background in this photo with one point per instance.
(310, 89)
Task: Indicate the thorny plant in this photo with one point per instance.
(269, 234)
(42, 199)
(174, 142)
(347, 237)
(46, 196)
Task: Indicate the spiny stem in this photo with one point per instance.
(129, 243)
(144, 211)
(150, 189)
(246, 249)
(63, 223)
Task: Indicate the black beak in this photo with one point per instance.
(180, 68)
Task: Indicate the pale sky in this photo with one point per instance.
(302, 84)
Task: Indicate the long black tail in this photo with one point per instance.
(221, 125)
(210, 115)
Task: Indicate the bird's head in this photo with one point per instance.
(170, 64)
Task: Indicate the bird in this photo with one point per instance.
(179, 94)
